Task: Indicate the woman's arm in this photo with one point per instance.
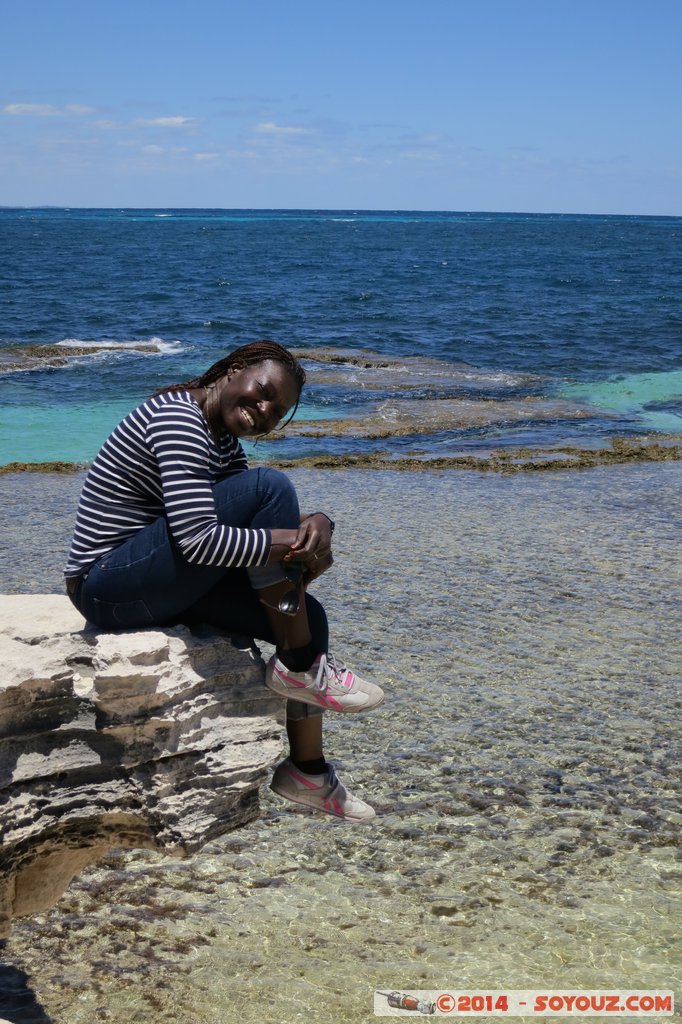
(176, 435)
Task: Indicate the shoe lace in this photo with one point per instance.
(336, 787)
(330, 670)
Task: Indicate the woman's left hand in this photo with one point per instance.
(313, 544)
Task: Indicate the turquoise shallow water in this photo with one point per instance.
(530, 305)
(44, 434)
(504, 410)
(648, 397)
(525, 770)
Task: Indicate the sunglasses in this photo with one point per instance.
(290, 601)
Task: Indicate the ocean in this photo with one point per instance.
(525, 625)
(424, 334)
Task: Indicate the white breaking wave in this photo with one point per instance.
(162, 346)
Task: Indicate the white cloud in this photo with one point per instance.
(30, 110)
(205, 156)
(270, 128)
(169, 122)
(152, 149)
(46, 110)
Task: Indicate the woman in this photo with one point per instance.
(173, 527)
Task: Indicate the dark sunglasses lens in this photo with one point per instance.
(289, 602)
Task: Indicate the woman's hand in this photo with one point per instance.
(282, 543)
(320, 522)
(310, 546)
(313, 547)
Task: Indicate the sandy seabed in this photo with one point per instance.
(525, 770)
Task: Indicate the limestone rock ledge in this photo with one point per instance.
(158, 739)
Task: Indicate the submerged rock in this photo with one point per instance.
(402, 417)
(513, 460)
(36, 357)
(156, 738)
(369, 371)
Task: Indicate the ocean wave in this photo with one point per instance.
(26, 357)
(155, 343)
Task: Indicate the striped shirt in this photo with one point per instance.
(161, 460)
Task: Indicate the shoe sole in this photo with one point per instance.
(316, 807)
(307, 697)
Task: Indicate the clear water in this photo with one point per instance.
(525, 770)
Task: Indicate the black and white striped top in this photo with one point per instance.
(161, 461)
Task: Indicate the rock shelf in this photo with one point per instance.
(156, 738)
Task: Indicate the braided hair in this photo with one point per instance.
(247, 355)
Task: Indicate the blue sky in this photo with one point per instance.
(512, 105)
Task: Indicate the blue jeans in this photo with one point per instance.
(146, 581)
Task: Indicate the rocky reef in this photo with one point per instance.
(157, 739)
(36, 357)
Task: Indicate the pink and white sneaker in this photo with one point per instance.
(319, 792)
(326, 684)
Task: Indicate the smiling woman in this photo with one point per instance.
(173, 527)
(249, 392)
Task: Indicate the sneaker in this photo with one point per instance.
(325, 684)
(319, 792)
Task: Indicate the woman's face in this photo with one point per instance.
(256, 398)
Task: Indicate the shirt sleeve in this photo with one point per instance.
(178, 439)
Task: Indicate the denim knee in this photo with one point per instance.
(262, 498)
(281, 489)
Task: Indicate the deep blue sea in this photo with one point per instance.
(547, 330)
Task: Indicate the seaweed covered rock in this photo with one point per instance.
(156, 738)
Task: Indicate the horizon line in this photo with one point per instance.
(354, 211)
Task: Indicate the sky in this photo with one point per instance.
(567, 106)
